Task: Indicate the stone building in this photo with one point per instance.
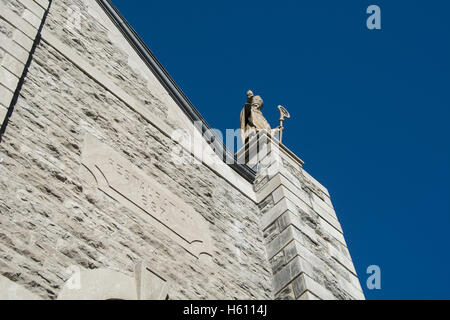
(93, 204)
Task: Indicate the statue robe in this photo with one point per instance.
(252, 121)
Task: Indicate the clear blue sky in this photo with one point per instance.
(370, 110)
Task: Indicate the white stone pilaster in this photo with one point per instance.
(21, 28)
(304, 239)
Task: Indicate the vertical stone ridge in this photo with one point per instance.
(304, 239)
(26, 19)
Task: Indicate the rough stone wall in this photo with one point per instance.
(89, 38)
(50, 218)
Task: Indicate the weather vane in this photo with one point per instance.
(253, 121)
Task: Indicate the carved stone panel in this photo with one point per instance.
(124, 182)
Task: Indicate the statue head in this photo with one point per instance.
(253, 100)
(258, 102)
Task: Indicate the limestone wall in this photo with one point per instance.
(86, 81)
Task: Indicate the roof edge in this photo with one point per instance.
(172, 88)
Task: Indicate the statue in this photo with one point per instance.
(253, 121)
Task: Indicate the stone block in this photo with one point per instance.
(309, 259)
(6, 96)
(17, 21)
(290, 251)
(302, 227)
(286, 294)
(268, 188)
(282, 240)
(351, 289)
(278, 262)
(299, 285)
(317, 201)
(296, 190)
(8, 79)
(343, 260)
(315, 288)
(327, 214)
(315, 182)
(332, 231)
(284, 213)
(290, 272)
(271, 232)
(300, 198)
(20, 38)
(275, 212)
(3, 112)
(13, 65)
(308, 296)
(33, 7)
(31, 18)
(13, 48)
